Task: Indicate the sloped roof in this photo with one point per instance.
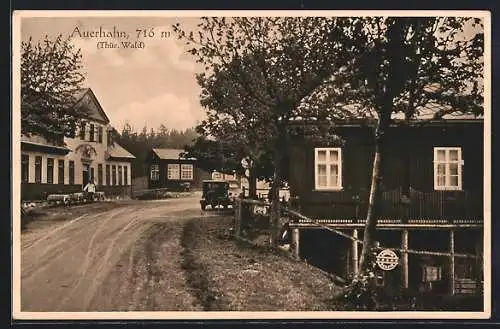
(80, 93)
(85, 97)
(117, 151)
(169, 154)
(395, 121)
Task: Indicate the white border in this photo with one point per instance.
(16, 156)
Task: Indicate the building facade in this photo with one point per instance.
(167, 169)
(431, 200)
(66, 165)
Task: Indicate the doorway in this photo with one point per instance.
(85, 173)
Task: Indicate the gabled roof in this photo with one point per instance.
(86, 98)
(170, 154)
(117, 151)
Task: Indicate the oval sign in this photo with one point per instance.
(387, 260)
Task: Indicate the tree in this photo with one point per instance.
(50, 77)
(236, 129)
(259, 70)
(404, 67)
(227, 155)
(213, 155)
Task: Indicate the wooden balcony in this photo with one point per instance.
(440, 208)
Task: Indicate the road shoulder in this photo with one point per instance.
(226, 275)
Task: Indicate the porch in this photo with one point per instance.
(398, 208)
(434, 257)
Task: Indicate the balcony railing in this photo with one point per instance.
(437, 207)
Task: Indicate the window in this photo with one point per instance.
(71, 172)
(50, 170)
(125, 175)
(173, 171)
(99, 134)
(38, 169)
(448, 168)
(108, 176)
(82, 130)
(113, 175)
(60, 171)
(91, 132)
(25, 168)
(120, 180)
(217, 175)
(155, 172)
(99, 174)
(92, 174)
(187, 171)
(328, 168)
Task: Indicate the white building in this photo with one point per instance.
(66, 165)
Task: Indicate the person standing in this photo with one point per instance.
(90, 188)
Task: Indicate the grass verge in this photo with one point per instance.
(229, 275)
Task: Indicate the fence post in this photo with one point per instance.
(404, 246)
(355, 252)
(238, 218)
(452, 262)
(296, 242)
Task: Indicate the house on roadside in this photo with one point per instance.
(431, 200)
(167, 169)
(233, 179)
(216, 175)
(65, 165)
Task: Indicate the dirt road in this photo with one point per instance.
(124, 259)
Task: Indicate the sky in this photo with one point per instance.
(146, 86)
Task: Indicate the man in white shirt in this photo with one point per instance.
(90, 188)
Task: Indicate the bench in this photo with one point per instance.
(73, 198)
(54, 199)
(77, 197)
(99, 196)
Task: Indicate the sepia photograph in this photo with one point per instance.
(251, 164)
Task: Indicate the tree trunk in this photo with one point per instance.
(252, 184)
(275, 198)
(385, 107)
(405, 154)
(370, 231)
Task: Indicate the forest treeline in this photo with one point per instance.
(140, 143)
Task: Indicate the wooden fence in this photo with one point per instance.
(247, 210)
(243, 210)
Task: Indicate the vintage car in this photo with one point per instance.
(216, 193)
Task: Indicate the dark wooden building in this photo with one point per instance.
(168, 170)
(432, 200)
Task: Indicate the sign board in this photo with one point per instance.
(387, 260)
(432, 273)
(260, 210)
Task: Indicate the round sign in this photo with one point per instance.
(387, 260)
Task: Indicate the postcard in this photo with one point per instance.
(251, 165)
